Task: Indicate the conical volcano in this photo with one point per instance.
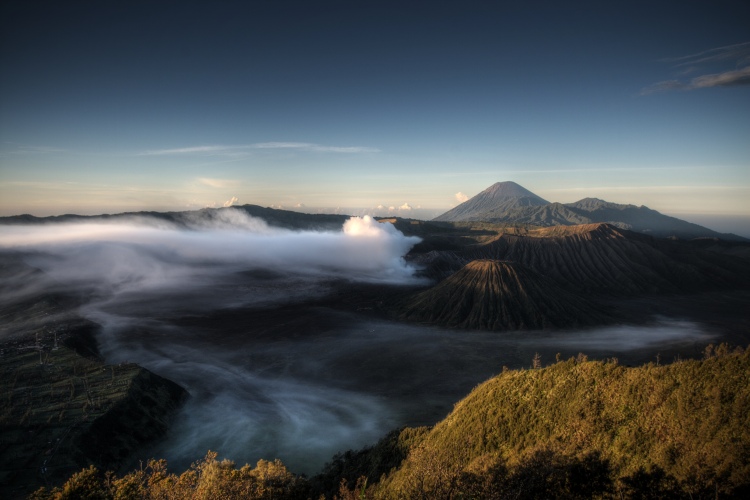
(500, 197)
(500, 295)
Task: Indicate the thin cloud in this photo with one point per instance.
(664, 86)
(735, 78)
(307, 146)
(738, 52)
(219, 150)
(726, 79)
(674, 188)
(739, 75)
(8, 149)
(190, 150)
(218, 183)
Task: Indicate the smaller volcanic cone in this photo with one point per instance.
(500, 295)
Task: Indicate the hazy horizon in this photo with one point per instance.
(340, 104)
(722, 223)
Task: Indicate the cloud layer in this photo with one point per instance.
(146, 253)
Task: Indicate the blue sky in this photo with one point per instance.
(110, 107)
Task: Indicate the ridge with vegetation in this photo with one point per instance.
(574, 429)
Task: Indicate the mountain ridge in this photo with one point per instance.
(518, 205)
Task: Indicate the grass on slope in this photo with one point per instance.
(575, 429)
(689, 421)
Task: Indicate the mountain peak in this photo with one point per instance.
(500, 196)
(507, 189)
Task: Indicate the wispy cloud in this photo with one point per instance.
(219, 150)
(307, 146)
(218, 183)
(9, 148)
(726, 79)
(673, 189)
(738, 52)
(193, 150)
(718, 59)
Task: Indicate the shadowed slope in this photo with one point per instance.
(494, 295)
(603, 259)
(600, 258)
(592, 258)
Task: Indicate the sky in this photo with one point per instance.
(412, 107)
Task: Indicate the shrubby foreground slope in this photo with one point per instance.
(576, 428)
(687, 423)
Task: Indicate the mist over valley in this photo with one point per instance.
(303, 341)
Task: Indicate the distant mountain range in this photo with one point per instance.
(206, 217)
(507, 202)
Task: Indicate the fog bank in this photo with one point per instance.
(221, 309)
(141, 253)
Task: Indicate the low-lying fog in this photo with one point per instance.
(221, 311)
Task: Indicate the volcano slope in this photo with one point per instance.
(598, 259)
(557, 277)
(498, 295)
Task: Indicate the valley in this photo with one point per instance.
(312, 356)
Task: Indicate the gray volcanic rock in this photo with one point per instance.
(500, 197)
(499, 295)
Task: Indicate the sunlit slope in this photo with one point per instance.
(500, 295)
(690, 420)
